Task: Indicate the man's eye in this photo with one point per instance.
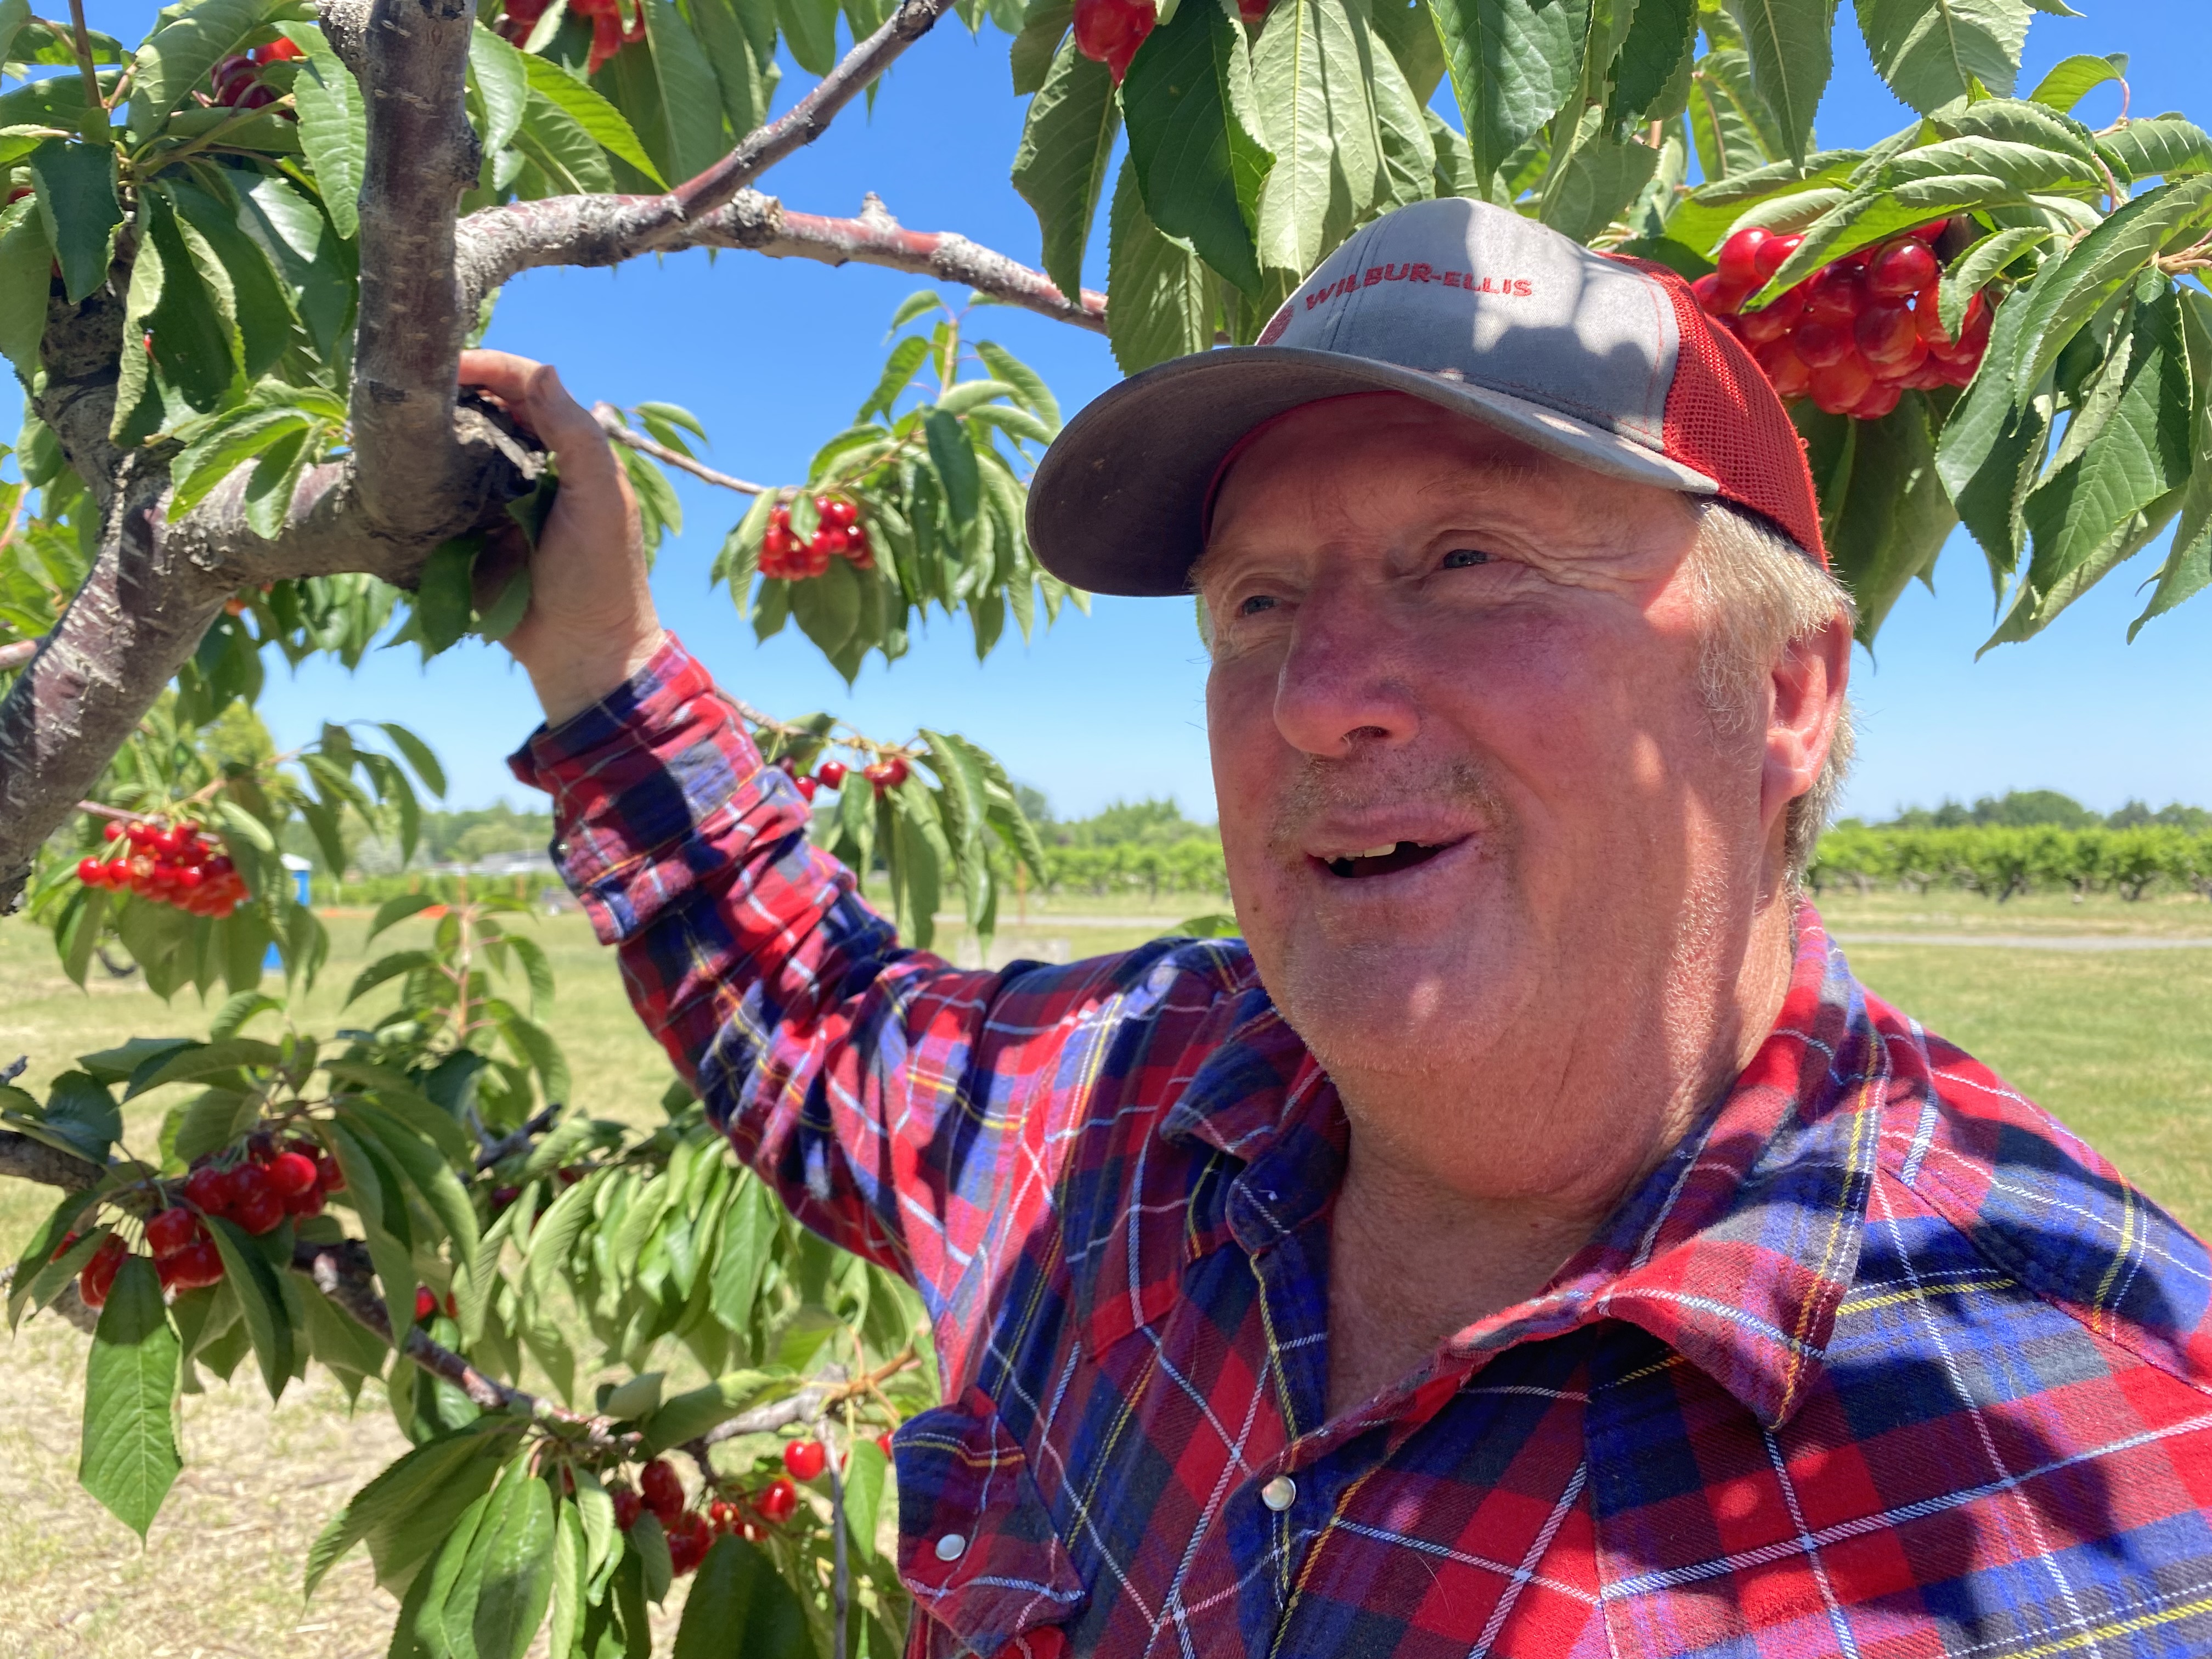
(1460, 558)
(1254, 605)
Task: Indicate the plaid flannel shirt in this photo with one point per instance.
(1881, 1361)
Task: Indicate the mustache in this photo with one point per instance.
(1324, 787)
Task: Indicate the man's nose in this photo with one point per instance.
(1344, 681)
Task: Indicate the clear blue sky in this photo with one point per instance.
(775, 356)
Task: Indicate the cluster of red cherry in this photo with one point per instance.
(1109, 31)
(838, 534)
(426, 1305)
(888, 773)
(271, 1182)
(169, 864)
(691, 1533)
(609, 32)
(237, 78)
(1858, 333)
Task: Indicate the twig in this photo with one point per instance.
(786, 729)
(840, 1575)
(497, 243)
(808, 1403)
(610, 422)
(342, 1273)
(495, 1148)
(82, 40)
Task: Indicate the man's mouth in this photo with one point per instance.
(1383, 860)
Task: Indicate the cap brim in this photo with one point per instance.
(1116, 503)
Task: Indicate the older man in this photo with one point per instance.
(1531, 1240)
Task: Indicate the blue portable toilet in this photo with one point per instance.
(303, 874)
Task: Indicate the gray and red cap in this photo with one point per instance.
(1602, 361)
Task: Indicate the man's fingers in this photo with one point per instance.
(540, 404)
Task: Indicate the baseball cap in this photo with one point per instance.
(1603, 361)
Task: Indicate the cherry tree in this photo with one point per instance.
(238, 263)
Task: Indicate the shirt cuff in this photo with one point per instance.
(645, 782)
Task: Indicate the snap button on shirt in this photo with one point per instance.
(1279, 1494)
(950, 1546)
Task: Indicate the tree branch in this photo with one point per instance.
(411, 58)
(496, 244)
(612, 422)
(26, 1159)
(763, 224)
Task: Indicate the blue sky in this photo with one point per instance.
(774, 356)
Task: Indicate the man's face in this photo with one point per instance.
(1470, 786)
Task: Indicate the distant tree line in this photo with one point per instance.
(2038, 809)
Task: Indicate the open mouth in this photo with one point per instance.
(1383, 860)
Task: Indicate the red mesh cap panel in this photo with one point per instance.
(1724, 418)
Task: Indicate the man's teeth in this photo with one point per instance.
(1383, 851)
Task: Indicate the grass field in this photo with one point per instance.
(2116, 1042)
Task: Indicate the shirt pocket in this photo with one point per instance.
(977, 1548)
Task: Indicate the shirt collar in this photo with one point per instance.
(1736, 1251)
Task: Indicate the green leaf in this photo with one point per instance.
(2127, 459)
(518, 1534)
(1311, 70)
(333, 125)
(204, 1060)
(864, 1469)
(738, 1589)
(1163, 303)
(810, 30)
(417, 755)
(2072, 288)
(736, 61)
(2162, 145)
(2072, 79)
(1066, 140)
(25, 260)
(178, 56)
(259, 1299)
(444, 600)
(691, 97)
(690, 1414)
(1194, 113)
(75, 185)
(1790, 60)
(1595, 186)
(1662, 40)
(130, 1457)
(1409, 153)
(395, 910)
(1029, 389)
(1032, 54)
(1932, 51)
(502, 82)
(1971, 271)
(1893, 519)
(215, 1119)
(955, 462)
(589, 113)
(1514, 64)
(405, 1512)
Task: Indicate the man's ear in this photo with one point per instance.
(1805, 700)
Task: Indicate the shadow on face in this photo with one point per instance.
(1473, 796)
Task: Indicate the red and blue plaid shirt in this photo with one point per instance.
(1880, 1361)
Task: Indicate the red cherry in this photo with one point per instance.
(1930, 231)
(779, 1501)
(194, 1268)
(1835, 292)
(1973, 335)
(305, 1204)
(277, 52)
(807, 786)
(425, 1302)
(170, 1230)
(883, 1442)
(97, 1276)
(662, 1491)
(1837, 388)
(254, 1204)
(139, 832)
(628, 1507)
(327, 1172)
(1820, 344)
(1715, 297)
(1254, 12)
(291, 1173)
(689, 1540)
(805, 1459)
(1772, 322)
(1885, 333)
(1738, 265)
(91, 872)
(453, 1306)
(831, 775)
(1899, 268)
(1774, 253)
(1880, 399)
(207, 1189)
(1903, 367)
(110, 831)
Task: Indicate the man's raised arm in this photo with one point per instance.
(897, 1105)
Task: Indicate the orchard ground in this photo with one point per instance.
(2112, 1040)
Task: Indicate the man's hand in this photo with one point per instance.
(591, 623)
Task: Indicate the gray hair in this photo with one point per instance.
(1761, 593)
